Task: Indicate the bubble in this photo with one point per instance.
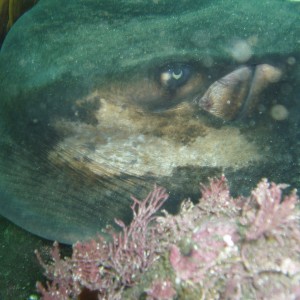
(279, 112)
(291, 60)
(241, 51)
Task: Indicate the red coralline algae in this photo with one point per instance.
(161, 290)
(218, 248)
(107, 267)
(206, 245)
(272, 215)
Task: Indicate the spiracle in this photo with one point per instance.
(236, 94)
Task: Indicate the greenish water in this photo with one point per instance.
(69, 160)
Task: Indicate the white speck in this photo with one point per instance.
(228, 240)
(241, 51)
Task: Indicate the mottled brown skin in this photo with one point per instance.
(119, 140)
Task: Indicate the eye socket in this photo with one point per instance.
(174, 76)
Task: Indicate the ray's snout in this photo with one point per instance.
(236, 94)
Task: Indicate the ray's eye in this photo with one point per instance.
(174, 76)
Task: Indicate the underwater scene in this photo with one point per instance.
(149, 149)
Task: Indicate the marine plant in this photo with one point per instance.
(219, 248)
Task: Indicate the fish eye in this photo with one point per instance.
(174, 76)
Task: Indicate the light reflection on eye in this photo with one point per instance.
(175, 76)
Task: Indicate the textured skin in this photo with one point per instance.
(85, 121)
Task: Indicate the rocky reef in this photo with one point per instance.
(218, 248)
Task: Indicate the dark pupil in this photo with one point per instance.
(179, 75)
(177, 72)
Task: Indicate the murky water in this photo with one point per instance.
(101, 101)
